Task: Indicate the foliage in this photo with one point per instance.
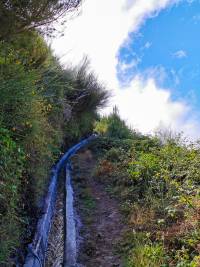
(113, 126)
(17, 16)
(157, 184)
(43, 108)
(12, 159)
(145, 253)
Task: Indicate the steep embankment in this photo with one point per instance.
(102, 226)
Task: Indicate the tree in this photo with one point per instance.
(20, 15)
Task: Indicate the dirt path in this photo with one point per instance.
(102, 222)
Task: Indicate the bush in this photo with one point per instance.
(12, 159)
(157, 184)
(113, 126)
(43, 108)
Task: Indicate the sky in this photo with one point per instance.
(147, 54)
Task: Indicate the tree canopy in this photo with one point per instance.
(19, 15)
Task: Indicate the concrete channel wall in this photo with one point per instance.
(37, 249)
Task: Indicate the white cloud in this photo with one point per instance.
(146, 107)
(196, 18)
(175, 77)
(99, 31)
(180, 54)
(124, 67)
(158, 73)
(147, 45)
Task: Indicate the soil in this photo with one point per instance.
(102, 221)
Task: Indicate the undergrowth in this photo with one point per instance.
(44, 109)
(157, 184)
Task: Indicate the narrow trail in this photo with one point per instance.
(102, 222)
(99, 223)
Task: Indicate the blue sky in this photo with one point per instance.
(167, 46)
(147, 53)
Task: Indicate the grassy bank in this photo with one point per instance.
(157, 185)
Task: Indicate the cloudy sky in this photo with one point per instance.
(148, 55)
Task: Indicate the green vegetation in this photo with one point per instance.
(157, 184)
(113, 126)
(12, 160)
(44, 108)
(88, 204)
(18, 16)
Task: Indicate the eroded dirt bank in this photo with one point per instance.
(102, 223)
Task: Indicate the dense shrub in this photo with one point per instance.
(44, 108)
(12, 159)
(113, 126)
(157, 184)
